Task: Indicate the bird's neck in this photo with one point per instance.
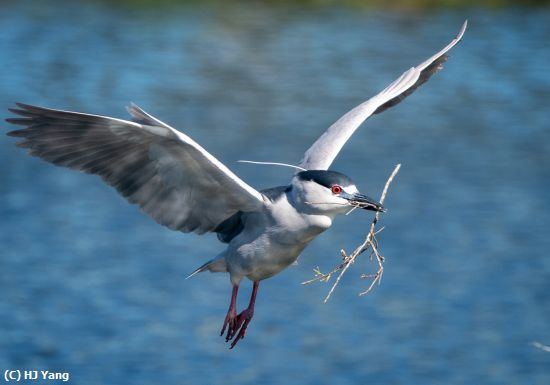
(319, 221)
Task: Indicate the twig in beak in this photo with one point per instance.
(370, 242)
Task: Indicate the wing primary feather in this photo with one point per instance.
(325, 149)
(172, 178)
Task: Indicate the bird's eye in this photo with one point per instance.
(336, 189)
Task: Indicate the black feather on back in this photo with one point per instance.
(232, 226)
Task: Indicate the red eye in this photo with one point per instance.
(336, 189)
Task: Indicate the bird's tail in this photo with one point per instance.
(214, 265)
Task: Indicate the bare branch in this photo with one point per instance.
(369, 242)
(376, 278)
(322, 277)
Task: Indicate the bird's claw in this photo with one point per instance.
(236, 326)
(229, 323)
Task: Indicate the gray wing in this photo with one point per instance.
(171, 177)
(322, 153)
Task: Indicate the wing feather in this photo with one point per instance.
(171, 177)
(323, 152)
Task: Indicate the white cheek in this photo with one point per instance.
(343, 201)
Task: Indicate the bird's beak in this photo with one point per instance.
(363, 202)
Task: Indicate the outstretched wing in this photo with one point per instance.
(170, 176)
(322, 153)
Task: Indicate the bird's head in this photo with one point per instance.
(330, 192)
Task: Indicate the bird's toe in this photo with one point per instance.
(243, 319)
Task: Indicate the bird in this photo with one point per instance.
(182, 186)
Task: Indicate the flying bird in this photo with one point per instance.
(185, 188)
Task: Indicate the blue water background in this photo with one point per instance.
(92, 286)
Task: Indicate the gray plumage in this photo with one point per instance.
(183, 187)
(166, 173)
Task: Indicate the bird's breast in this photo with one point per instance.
(273, 239)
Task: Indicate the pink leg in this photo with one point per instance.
(244, 318)
(231, 317)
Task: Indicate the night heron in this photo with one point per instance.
(183, 187)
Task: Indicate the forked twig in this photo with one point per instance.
(348, 260)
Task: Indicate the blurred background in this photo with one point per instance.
(92, 286)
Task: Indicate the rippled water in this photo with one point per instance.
(93, 287)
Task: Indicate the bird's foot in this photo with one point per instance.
(236, 324)
(229, 323)
(236, 329)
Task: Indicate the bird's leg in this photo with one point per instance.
(243, 319)
(231, 317)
